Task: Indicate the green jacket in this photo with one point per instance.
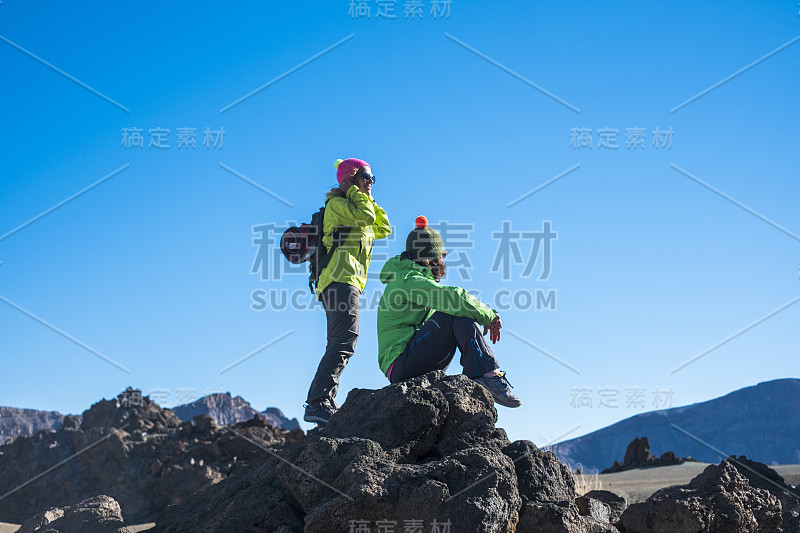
(410, 298)
(368, 221)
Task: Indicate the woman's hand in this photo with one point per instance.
(346, 184)
(494, 329)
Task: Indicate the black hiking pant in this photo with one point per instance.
(341, 302)
(434, 344)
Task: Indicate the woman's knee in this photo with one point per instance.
(466, 323)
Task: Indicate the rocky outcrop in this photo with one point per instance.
(226, 409)
(719, 500)
(763, 477)
(136, 416)
(99, 514)
(425, 451)
(23, 422)
(638, 456)
(134, 451)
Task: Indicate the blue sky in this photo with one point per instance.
(152, 267)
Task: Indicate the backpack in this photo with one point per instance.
(304, 243)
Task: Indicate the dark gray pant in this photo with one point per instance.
(342, 303)
(434, 344)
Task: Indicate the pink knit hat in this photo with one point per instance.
(348, 168)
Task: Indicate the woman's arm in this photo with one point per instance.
(451, 300)
(381, 227)
(358, 210)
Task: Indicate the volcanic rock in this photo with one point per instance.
(615, 503)
(555, 518)
(719, 500)
(761, 476)
(131, 449)
(424, 451)
(595, 508)
(99, 514)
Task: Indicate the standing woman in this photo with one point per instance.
(354, 219)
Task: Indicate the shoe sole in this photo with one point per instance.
(315, 419)
(505, 404)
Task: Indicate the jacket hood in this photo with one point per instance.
(398, 268)
(330, 195)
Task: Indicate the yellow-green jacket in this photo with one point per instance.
(367, 222)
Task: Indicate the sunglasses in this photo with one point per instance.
(366, 175)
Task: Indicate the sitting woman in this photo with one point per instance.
(420, 322)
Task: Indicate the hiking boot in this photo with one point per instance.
(319, 413)
(498, 386)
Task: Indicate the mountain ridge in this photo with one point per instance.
(222, 406)
(228, 409)
(17, 421)
(759, 421)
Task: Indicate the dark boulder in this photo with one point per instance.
(595, 508)
(763, 477)
(616, 504)
(558, 518)
(205, 423)
(719, 500)
(99, 514)
(542, 477)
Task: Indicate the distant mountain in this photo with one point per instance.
(762, 422)
(230, 410)
(15, 422)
